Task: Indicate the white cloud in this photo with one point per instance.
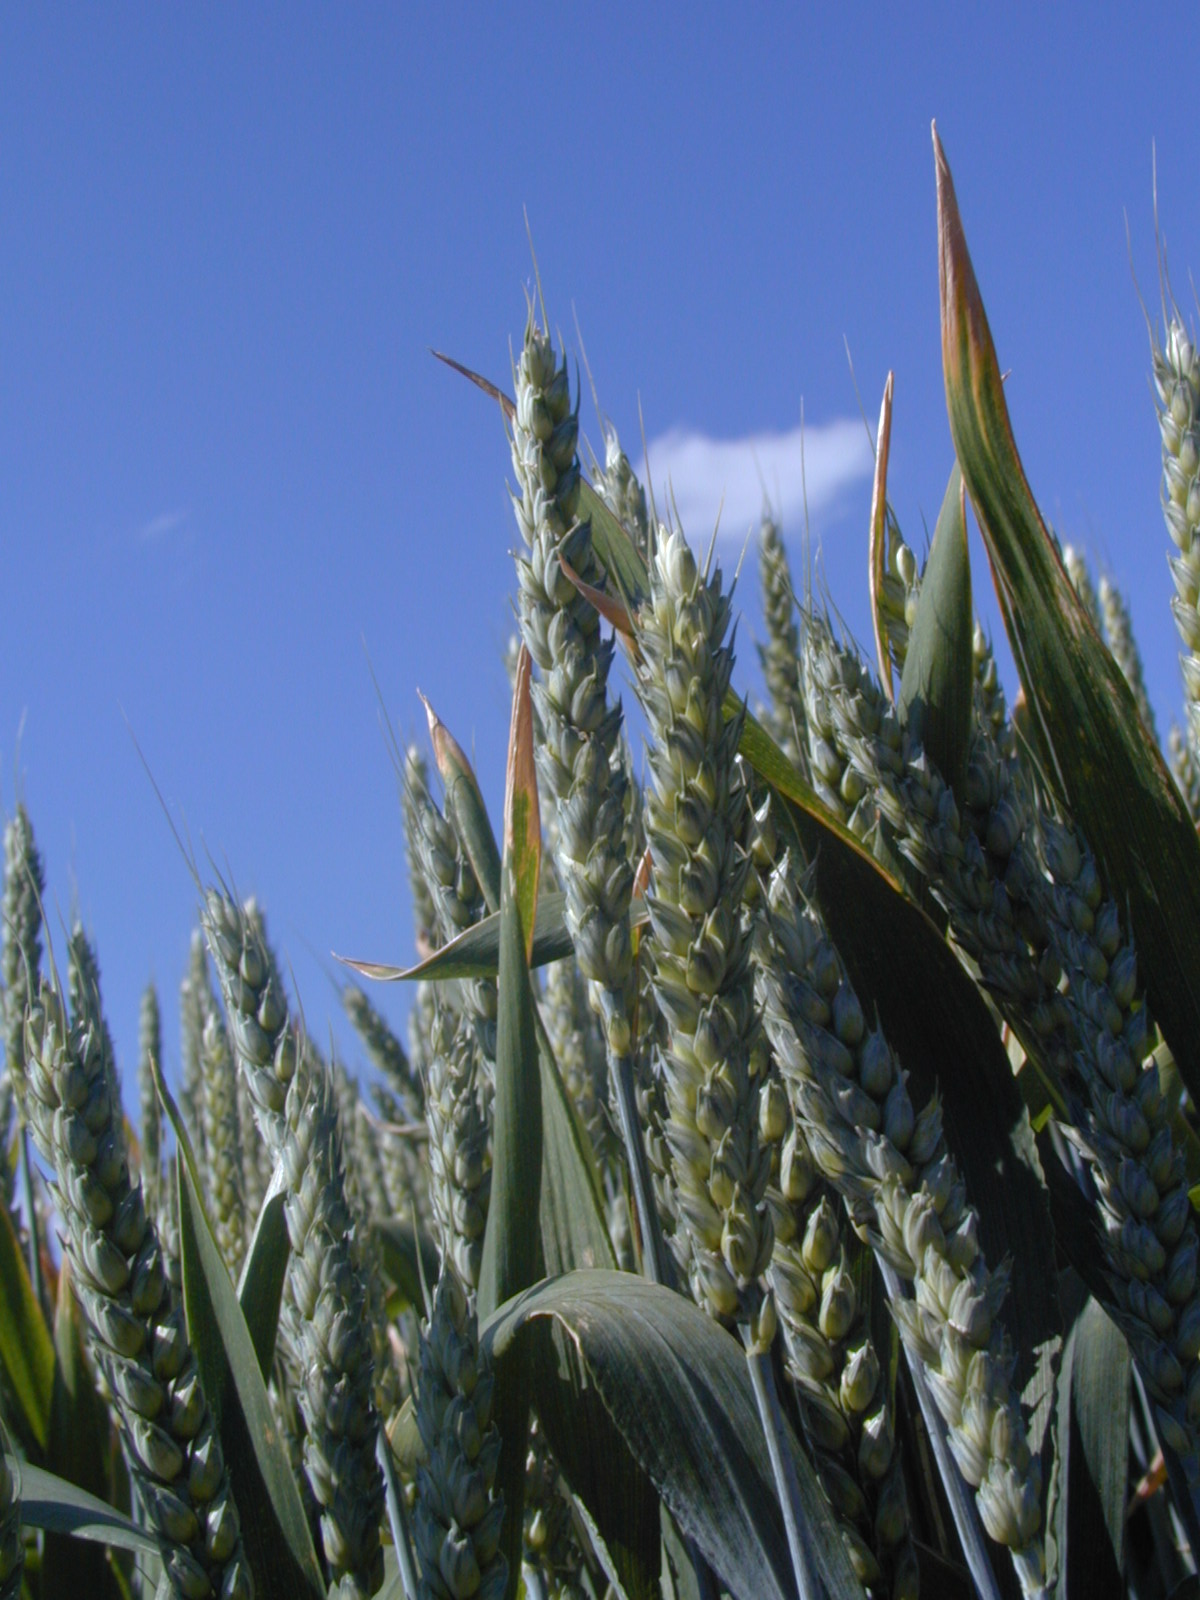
(163, 525)
(730, 476)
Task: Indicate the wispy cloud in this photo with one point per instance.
(730, 476)
(161, 527)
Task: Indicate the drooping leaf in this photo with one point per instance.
(936, 1020)
(522, 817)
(275, 1531)
(616, 1497)
(475, 952)
(877, 551)
(1107, 770)
(678, 1392)
(26, 1348)
(1092, 1425)
(939, 669)
(51, 1503)
(260, 1287)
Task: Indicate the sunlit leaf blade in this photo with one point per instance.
(512, 1242)
(260, 1287)
(1106, 768)
(877, 550)
(26, 1348)
(936, 1020)
(475, 952)
(78, 1451)
(935, 690)
(49, 1502)
(677, 1389)
(1088, 1515)
(275, 1531)
(465, 808)
(522, 818)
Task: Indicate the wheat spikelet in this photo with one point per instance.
(150, 1050)
(780, 655)
(899, 591)
(1080, 575)
(904, 1193)
(24, 886)
(618, 486)
(325, 1314)
(1177, 381)
(1186, 770)
(459, 1513)
(696, 821)
(137, 1327)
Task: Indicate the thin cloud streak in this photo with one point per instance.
(705, 477)
(162, 526)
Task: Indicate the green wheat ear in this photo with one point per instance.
(137, 1325)
(24, 886)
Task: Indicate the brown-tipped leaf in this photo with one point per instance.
(1107, 770)
(522, 818)
(939, 667)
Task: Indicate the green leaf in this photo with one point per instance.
(512, 1242)
(79, 1451)
(260, 1288)
(618, 554)
(406, 1252)
(475, 952)
(616, 1498)
(1087, 1516)
(26, 1349)
(937, 1022)
(1106, 769)
(939, 668)
(49, 1502)
(678, 1392)
(465, 810)
(522, 819)
(275, 1531)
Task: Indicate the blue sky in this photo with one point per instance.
(228, 237)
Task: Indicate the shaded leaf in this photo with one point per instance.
(1088, 1515)
(406, 1252)
(677, 1389)
(260, 1287)
(939, 667)
(26, 1349)
(275, 1531)
(617, 1498)
(79, 1450)
(1106, 769)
